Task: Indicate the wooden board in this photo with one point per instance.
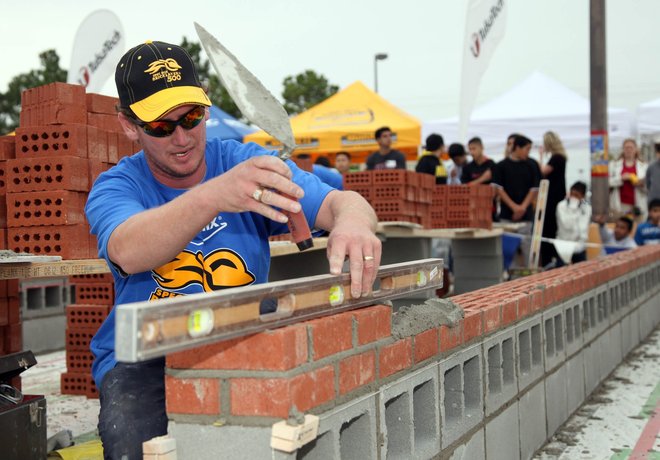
(23, 270)
(394, 230)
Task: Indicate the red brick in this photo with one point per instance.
(79, 361)
(104, 121)
(48, 173)
(113, 154)
(280, 349)
(373, 323)
(14, 308)
(275, 397)
(331, 334)
(427, 344)
(91, 278)
(356, 371)
(78, 339)
(472, 325)
(92, 392)
(198, 396)
(95, 294)
(68, 241)
(98, 103)
(52, 140)
(395, 357)
(7, 147)
(3, 211)
(3, 177)
(509, 311)
(13, 338)
(86, 316)
(74, 383)
(451, 337)
(97, 144)
(4, 312)
(55, 207)
(491, 316)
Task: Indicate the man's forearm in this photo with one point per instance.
(345, 206)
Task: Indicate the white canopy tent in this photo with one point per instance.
(532, 107)
(648, 118)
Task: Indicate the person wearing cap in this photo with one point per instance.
(188, 214)
(431, 160)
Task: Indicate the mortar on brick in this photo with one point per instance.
(414, 319)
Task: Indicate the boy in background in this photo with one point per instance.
(618, 239)
(649, 231)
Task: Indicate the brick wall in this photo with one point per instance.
(316, 365)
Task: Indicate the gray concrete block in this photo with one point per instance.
(554, 337)
(473, 449)
(573, 325)
(207, 442)
(592, 358)
(630, 336)
(410, 416)
(556, 400)
(478, 267)
(529, 350)
(575, 382)
(43, 334)
(501, 383)
(503, 435)
(352, 427)
(531, 414)
(477, 247)
(613, 348)
(589, 317)
(396, 250)
(461, 392)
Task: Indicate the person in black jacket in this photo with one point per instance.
(431, 162)
(386, 157)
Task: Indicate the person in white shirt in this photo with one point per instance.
(573, 219)
(454, 167)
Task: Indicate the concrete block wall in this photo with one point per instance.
(496, 384)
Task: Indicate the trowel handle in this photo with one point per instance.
(298, 227)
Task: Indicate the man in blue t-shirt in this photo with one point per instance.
(189, 215)
(649, 231)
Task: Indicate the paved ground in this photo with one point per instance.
(621, 420)
(75, 413)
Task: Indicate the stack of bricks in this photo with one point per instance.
(397, 195)
(65, 140)
(462, 206)
(94, 298)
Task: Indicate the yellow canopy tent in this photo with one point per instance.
(346, 121)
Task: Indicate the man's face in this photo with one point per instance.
(575, 194)
(476, 150)
(654, 215)
(177, 160)
(342, 163)
(460, 160)
(620, 230)
(385, 139)
(523, 152)
(509, 144)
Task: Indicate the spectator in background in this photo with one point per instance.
(385, 157)
(653, 176)
(517, 180)
(458, 158)
(627, 179)
(573, 216)
(431, 160)
(649, 231)
(618, 239)
(509, 144)
(555, 171)
(325, 173)
(480, 169)
(343, 162)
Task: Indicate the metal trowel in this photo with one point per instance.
(259, 106)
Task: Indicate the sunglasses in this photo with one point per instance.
(165, 128)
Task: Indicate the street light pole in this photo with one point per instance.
(377, 57)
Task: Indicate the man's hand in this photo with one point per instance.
(518, 212)
(253, 186)
(352, 223)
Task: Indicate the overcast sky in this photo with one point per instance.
(338, 38)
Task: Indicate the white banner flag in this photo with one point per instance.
(98, 46)
(484, 28)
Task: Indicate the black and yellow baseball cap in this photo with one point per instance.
(156, 77)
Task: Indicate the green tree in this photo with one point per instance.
(306, 90)
(10, 101)
(216, 91)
